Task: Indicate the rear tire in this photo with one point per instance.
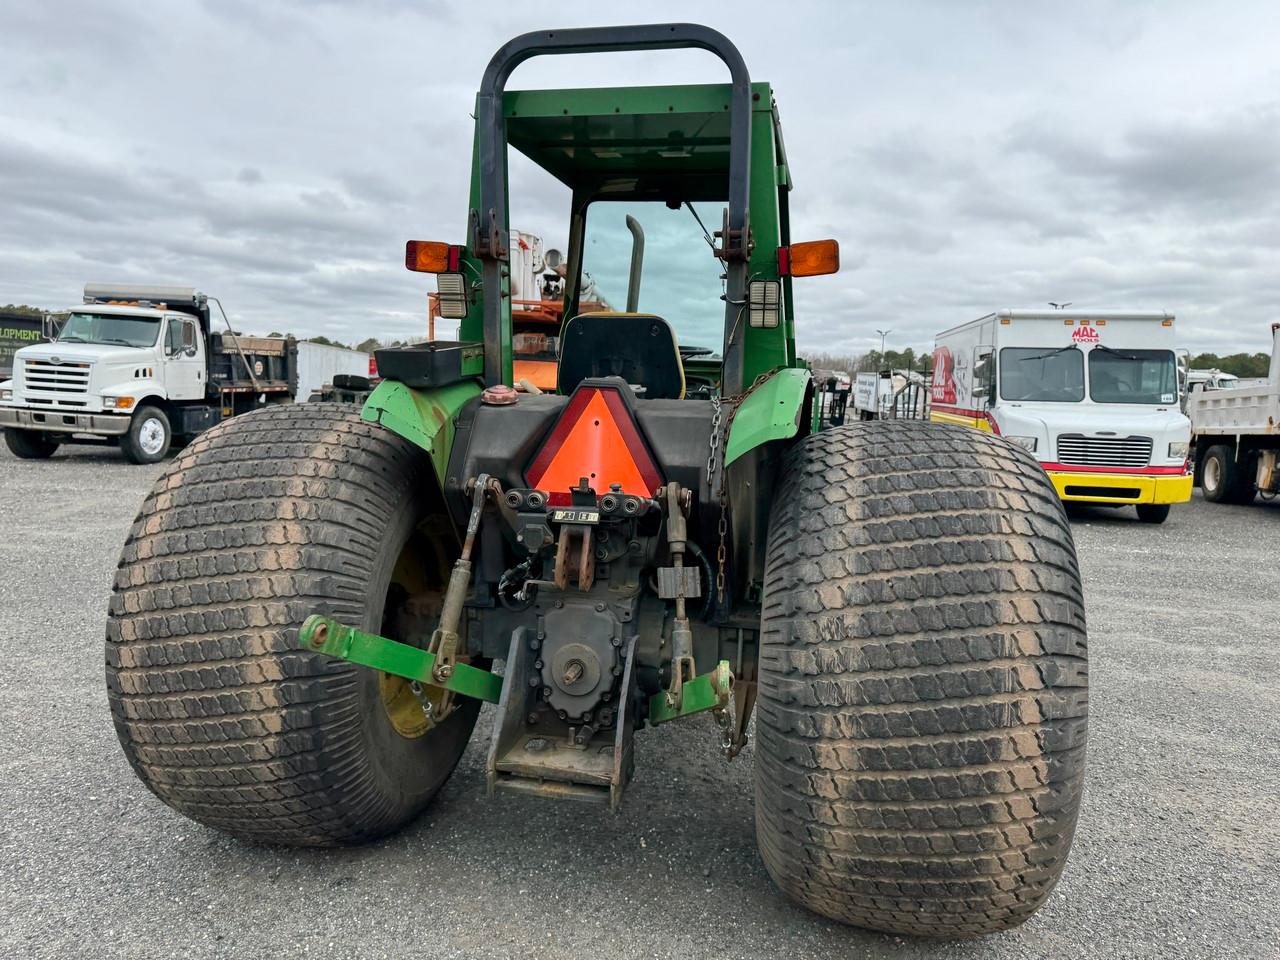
(923, 681)
(261, 521)
(1153, 512)
(29, 444)
(149, 436)
(1224, 479)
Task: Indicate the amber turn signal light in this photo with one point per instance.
(813, 258)
(430, 256)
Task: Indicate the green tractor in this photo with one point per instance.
(310, 604)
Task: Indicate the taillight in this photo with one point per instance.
(596, 437)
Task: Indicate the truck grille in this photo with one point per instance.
(1079, 450)
(67, 381)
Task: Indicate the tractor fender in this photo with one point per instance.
(426, 418)
(778, 409)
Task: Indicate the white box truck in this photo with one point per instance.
(1093, 395)
(138, 367)
(1235, 432)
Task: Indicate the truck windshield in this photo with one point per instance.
(1048, 374)
(121, 330)
(1132, 376)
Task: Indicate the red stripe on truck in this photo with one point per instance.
(1133, 471)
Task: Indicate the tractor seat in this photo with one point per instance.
(638, 347)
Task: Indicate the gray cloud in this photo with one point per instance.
(968, 157)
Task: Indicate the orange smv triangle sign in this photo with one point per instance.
(601, 444)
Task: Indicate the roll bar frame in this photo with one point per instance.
(489, 227)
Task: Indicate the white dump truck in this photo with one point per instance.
(1094, 395)
(1235, 433)
(138, 367)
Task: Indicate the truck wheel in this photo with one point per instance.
(1224, 479)
(923, 681)
(148, 437)
(1153, 512)
(29, 444)
(261, 521)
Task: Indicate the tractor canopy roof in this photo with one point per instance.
(667, 143)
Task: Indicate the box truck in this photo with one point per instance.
(1094, 395)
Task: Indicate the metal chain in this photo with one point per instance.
(719, 450)
(713, 456)
(713, 464)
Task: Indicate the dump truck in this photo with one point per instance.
(1235, 436)
(1092, 394)
(139, 367)
(315, 601)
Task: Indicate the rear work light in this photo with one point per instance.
(451, 295)
(763, 297)
(595, 438)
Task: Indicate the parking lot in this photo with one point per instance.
(1176, 854)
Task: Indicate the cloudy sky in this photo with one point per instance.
(968, 156)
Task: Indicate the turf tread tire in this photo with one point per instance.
(923, 681)
(259, 522)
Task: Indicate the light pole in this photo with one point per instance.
(883, 334)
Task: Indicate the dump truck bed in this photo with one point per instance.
(1235, 410)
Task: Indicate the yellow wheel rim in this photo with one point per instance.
(420, 573)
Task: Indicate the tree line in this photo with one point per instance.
(1245, 365)
(872, 361)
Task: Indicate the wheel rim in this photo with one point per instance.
(151, 436)
(414, 597)
(1212, 473)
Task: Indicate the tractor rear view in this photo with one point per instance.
(311, 602)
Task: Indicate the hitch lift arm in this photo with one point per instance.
(326, 635)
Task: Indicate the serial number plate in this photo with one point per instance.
(575, 515)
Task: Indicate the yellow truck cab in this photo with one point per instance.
(1093, 395)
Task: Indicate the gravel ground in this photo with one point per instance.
(1176, 853)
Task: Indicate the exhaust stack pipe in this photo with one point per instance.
(637, 261)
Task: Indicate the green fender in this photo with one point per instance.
(423, 417)
(775, 410)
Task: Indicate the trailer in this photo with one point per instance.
(324, 370)
(1235, 436)
(1093, 395)
(141, 368)
(18, 330)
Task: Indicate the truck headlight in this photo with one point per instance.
(1179, 451)
(6, 394)
(118, 403)
(1026, 443)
